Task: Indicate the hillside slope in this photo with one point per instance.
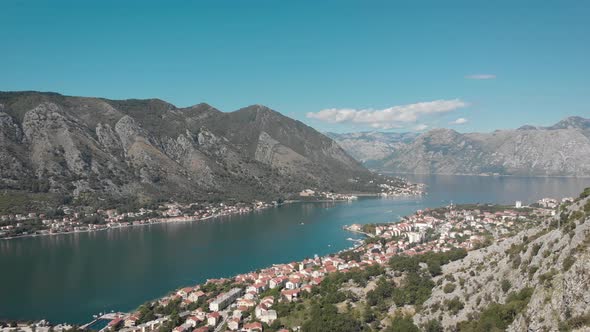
(96, 149)
(535, 281)
(559, 150)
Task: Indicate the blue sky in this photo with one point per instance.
(336, 65)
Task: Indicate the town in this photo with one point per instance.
(256, 301)
(68, 221)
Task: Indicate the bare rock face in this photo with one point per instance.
(559, 150)
(51, 136)
(12, 165)
(103, 148)
(372, 147)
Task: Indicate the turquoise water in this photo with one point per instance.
(71, 277)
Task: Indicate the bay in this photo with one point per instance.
(70, 277)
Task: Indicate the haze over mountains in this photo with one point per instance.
(562, 149)
(97, 149)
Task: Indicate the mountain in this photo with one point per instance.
(371, 147)
(97, 150)
(559, 150)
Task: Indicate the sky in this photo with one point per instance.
(337, 66)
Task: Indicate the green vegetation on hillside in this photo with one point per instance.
(497, 317)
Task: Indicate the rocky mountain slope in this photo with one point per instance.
(537, 280)
(372, 147)
(97, 149)
(559, 150)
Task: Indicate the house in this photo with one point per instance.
(182, 328)
(290, 294)
(233, 324)
(115, 323)
(293, 283)
(237, 313)
(268, 316)
(252, 327)
(256, 288)
(246, 303)
(184, 292)
(131, 321)
(277, 282)
(193, 321)
(213, 318)
(199, 313)
(202, 329)
(195, 296)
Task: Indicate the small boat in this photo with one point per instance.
(302, 223)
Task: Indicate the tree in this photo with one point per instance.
(402, 324)
(433, 325)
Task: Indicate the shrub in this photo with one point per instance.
(433, 325)
(575, 323)
(449, 288)
(547, 277)
(402, 324)
(506, 285)
(454, 305)
(568, 262)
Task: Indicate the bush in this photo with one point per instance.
(568, 262)
(585, 193)
(325, 318)
(454, 305)
(402, 324)
(575, 323)
(449, 288)
(433, 325)
(506, 285)
(415, 290)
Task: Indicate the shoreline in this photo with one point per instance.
(357, 243)
(487, 175)
(164, 221)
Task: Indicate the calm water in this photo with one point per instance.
(71, 277)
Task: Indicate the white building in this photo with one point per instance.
(224, 300)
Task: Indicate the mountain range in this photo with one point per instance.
(96, 149)
(562, 149)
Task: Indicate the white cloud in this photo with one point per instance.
(420, 127)
(388, 118)
(481, 77)
(459, 121)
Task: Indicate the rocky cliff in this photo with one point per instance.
(98, 149)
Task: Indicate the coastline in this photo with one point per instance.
(486, 175)
(154, 221)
